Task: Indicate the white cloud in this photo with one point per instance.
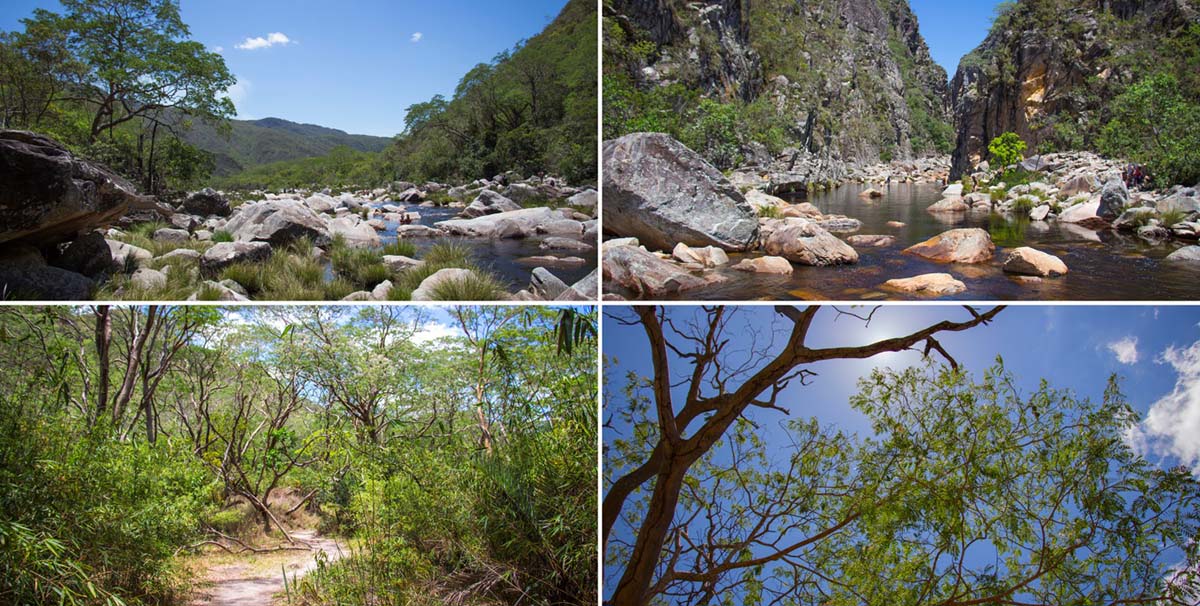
(416, 37)
(1172, 427)
(272, 39)
(218, 49)
(434, 331)
(1125, 350)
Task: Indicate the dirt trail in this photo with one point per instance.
(247, 583)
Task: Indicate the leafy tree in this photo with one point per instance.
(138, 61)
(1155, 123)
(968, 492)
(1007, 149)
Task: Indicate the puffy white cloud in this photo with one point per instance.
(1125, 350)
(1172, 427)
(219, 49)
(272, 39)
(416, 37)
(435, 331)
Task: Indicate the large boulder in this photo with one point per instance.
(89, 255)
(933, 285)
(425, 291)
(546, 285)
(634, 269)
(1080, 213)
(1079, 184)
(803, 241)
(949, 204)
(25, 275)
(585, 199)
(512, 224)
(488, 202)
(321, 203)
(662, 193)
(356, 232)
(125, 256)
(1032, 262)
(277, 222)
(967, 245)
(206, 203)
(1113, 199)
(47, 195)
(1186, 254)
(224, 254)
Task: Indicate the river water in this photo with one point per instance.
(1102, 265)
(498, 256)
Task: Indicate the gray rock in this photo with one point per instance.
(557, 243)
(840, 225)
(561, 227)
(425, 291)
(488, 202)
(546, 285)
(661, 192)
(584, 199)
(184, 221)
(871, 241)
(356, 232)
(224, 254)
(634, 269)
(588, 287)
(222, 292)
(89, 255)
(277, 222)
(1040, 213)
(1080, 213)
(803, 241)
(182, 253)
(24, 275)
(1178, 202)
(47, 195)
(513, 224)
(1187, 254)
(321, 203)
(125, 256)
(148, 279)
(399, 263)
(206, 202)
(381, 290)
(1113, 199)
(949, 204)
(167, 234)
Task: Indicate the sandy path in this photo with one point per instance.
(239, 583)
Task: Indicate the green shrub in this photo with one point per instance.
(769, 212)
(1007, 149)
(1173, 216)
(361, 267)
(222, 236)
(1156, 124)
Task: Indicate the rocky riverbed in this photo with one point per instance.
(892, 231)
(72, 230)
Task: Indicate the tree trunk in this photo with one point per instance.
(103, 338)
(635, 582)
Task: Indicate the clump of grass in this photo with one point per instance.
(1026, 203)
(440, 198)
(1172, 217)
(359, 266)
(475, 286)
(222, 236)
(182, 281)
(449, 254)
(769, 212)
(400, 247)
(998, 193)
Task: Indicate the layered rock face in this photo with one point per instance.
(854, 77)
(1048, 68)
(49, 195)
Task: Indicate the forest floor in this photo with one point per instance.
(254, 579)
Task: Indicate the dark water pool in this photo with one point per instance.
(498, 256)
(1102, 265)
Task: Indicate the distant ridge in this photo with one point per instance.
(254, 142)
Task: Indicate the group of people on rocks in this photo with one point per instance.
(1135, 175)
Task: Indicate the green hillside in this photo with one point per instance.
(250, 143)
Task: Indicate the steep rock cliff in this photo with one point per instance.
(1048, 68)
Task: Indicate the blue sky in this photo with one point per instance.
(354, 65)
(1155, 351)
(953, 28)
(1075, 347)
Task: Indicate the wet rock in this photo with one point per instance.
(803, 241)
(871, 193)
(425, 291)
(709, 256)
(1188, 230)
(803, 210)
(224, 254)
(934, 285)
(557, 243)
(1080, 212)
(206, 203)
(968, 245)
(896, 224)
(488, 202)
(1153, 232)
(840, 225)
(47, 195)
(871, 241)
(1113, 199)
(765, 265)
(550, 261)
(952, 204)
(513, 224)
(641, 272)
(1187, 254)
(277, 222)
(661, 192)
(1032, 262)
(24, 275)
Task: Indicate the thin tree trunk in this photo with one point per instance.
(103, 339)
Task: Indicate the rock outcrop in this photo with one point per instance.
(662, 193)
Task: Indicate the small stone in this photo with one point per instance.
(936, 285)
(766, 265)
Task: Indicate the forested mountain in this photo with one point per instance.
(532, 109)
(249, 143)
(1072, 74)
(848, 79)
